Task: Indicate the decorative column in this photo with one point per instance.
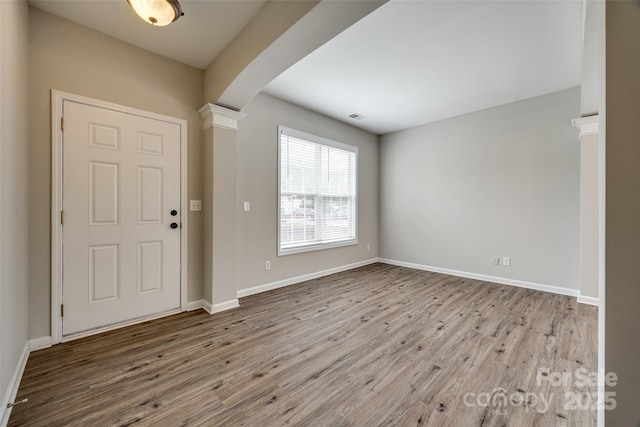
(220, 126)
(589, 208)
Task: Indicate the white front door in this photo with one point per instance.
(121, 220)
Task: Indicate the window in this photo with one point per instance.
(317, 192)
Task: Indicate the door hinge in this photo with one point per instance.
(61, 217)
(61, 310)
(62, 124)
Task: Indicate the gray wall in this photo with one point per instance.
(498, 182)
(72, 58)
(258, 184)
(13, 189)
(622, 340)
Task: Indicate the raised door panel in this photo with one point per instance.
(150, 144)
(150, 266)
(104, 273)
(150, 193)
(105, 137)
(104, 193)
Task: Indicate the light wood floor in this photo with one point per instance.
(378, 345)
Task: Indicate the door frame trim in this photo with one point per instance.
(57, 99)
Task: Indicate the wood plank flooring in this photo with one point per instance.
(378, 345)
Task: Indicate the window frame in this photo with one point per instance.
(311, 247)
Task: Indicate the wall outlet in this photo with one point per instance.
(267, 265)
(496, 260)
(506, 261)
(195, 205)
(247, 206)
(368, 246)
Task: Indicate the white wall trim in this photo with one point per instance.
(298, 279)
(184, 213)
(303, 278)
(195, 305)
(215, 308)
(12, 389)
(494, 279)
(57, 99)
(222, 306)
(56, 207)
(587, 125)
(588, 300)
(206, 306)
(501, 280)
(39, 343)
(215, 115)
(14, 384)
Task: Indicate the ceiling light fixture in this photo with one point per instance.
(157, 12)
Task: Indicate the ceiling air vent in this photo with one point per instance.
(357, 116)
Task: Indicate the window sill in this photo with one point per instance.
(318, 247)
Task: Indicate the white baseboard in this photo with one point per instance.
(211, 309)
(14, 384)
(195, 305)
(206, 306)
(222, 306)
(298, 279)
(588, 300)
(40, 343)
(495, 279)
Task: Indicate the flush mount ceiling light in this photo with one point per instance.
(157, 12)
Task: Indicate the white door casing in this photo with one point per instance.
(117, 174)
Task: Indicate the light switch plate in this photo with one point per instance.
(195, 205)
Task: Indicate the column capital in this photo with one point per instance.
(221, 117)
(587, 125)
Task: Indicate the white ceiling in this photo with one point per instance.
(405, 64)
(415, 62)
(206, 28)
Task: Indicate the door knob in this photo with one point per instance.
(174, 225)
(174, 212)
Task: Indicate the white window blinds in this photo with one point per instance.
(317, 192)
